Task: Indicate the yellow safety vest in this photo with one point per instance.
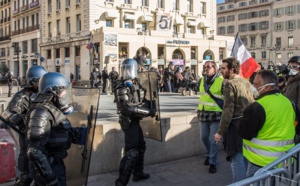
(277, 134)
(205, 101)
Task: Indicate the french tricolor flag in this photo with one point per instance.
(248, 65)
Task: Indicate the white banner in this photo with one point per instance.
(165, 22)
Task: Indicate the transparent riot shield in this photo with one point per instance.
(151, 126)
(85, 103)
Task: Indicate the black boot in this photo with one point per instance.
(140, 176)
(24, 180)
(138, 172)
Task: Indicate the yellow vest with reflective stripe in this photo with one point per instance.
(277, 133)
(205, 101)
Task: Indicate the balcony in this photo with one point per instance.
(34, 4)
(16, 11)
(25, 30)
(24, 8)
(3, 38)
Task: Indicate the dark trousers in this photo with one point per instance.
(23, 162)
(10, 85)
(168, 86)
(104, 85)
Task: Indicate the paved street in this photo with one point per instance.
(190, 171)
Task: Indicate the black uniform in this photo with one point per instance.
(169, 80)
(10, 79)
(15, 113)
(49, 137)
(104, 77)
(132, 107)
(113, 76)
(95, 79)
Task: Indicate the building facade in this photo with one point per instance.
(268, 28)
(75, 36)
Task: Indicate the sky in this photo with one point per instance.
(220, 1)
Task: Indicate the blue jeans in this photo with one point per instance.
(238, 167)
(251, 169)
(208, 130)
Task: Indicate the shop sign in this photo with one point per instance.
(178, 42)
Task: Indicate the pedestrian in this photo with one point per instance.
(14, 114)
(237, 96)
(95, 78)
(169, 77)
(48, 131)
(292, 88)
(71, 77)
(10, 79)
(267, 126)
(104, 78)
(113, 77)
(209, 112)
(131, 111)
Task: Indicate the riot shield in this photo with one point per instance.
(151, 126)
(85, 103)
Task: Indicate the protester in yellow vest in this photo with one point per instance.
(267, 126)
(209, 113)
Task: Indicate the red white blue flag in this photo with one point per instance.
(248, 65)
(90, 45)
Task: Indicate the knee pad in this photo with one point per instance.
(132, 154)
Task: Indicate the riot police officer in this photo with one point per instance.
(48, 131)
(132, 107)
(113, 76)
(14, 114)
(95, 78)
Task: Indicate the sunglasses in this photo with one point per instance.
(293, 66)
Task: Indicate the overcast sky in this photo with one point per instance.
(220, 1)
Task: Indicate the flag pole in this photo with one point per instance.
(236, 36)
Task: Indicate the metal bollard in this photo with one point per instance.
(0, 90)
(2, 106)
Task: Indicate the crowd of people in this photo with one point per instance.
(255, 120)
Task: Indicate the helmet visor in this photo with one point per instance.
(129, 71)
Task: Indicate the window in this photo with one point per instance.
(67, 3)
(243, 28)
(78, 23)
(57, 4)
(278, 56)
(230, 6)
(128, 24)
(263, 1)
(253, 54)
(290, 25)
(109, 23)
(68, 25)
(49, 6)
(58, 27)
(191, 29)
(263, 40)
(67, 52)
(145, 3)
(278, 12)
(278, 42)
(289, 55)
(221, 30)
(264, 25)
(34, 45)
(278, 26)
(243, 16)
(175, 4)
(252, 41)
(203, 8)
(24, 47)
(263, 13)
(77, 50)
(221, 19)
(144, 27)
(220, 7)
(264, 54)
(189, 5)
(230, 18)
(193, 52)
(175, 29)
(253, 27)
(290, 10)
(160, 3)
(127, 2)
(290, 41)
(57, 53)
(37, 19)
(49, 30)
(253, 15)
(242, 4)
(49, 54)
(230, 29)
(244, 40)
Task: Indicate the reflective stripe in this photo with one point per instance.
(272, 143)
(208, 104)
(216, 95)
(264, 152)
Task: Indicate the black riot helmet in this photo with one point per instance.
(57, 84)
(294, 59)
(129, 69)
(33, 76)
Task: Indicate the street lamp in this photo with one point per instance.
(275, 48)
(16, 52)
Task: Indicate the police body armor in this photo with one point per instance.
(50, 137)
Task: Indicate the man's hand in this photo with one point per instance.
(217, 137)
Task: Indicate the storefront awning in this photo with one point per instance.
(178, 21)
(191, 23)
(204, 24)
(111, 15)
(129, 17)
(147, 18)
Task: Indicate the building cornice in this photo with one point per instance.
(244, 8)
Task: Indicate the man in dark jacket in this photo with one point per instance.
(104, 77)
(10, 78)
(169, 77)
(113, 76)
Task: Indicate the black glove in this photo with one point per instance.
(152, 112)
